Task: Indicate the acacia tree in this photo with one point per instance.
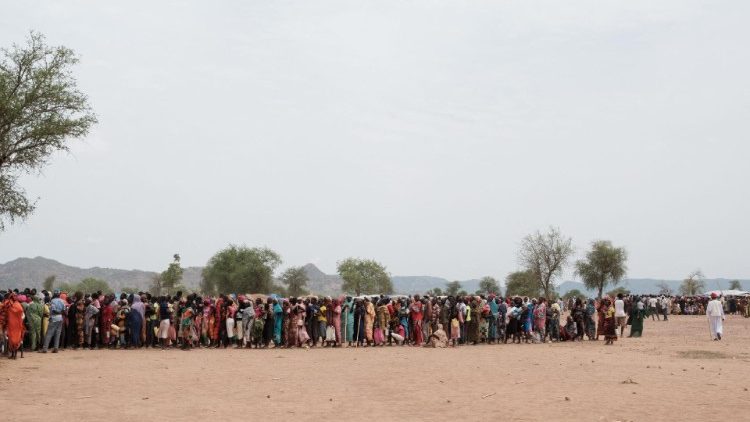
(604, 264)
(664, 288)
(41, 109)
(364, 276)
(693, 284)
(93, 285)
(295, 279)
(545, 255)
(488, 285)
(735, 285)
(434, 292)
(452, 288)
(575, 293)
(239, 269)
(49, 282)
(522, 283)
(171, 277)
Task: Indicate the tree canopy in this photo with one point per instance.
(435, 291)
(41, 109)
(295, 279)
(735, 285)
(604, 264)
(171, 277)
(49, 283)
(575, 293)
(364, 276)
(617, 290)
(693, 284)
(239, 269)
(545, 255)
(522, 283)
(489, 285)
(452, 288)
(87, 285)
(664, 288)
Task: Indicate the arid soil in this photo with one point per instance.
(674, 372)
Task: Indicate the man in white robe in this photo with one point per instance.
(715, 313)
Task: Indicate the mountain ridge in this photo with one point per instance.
(31, 272)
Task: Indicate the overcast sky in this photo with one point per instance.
(430, 135)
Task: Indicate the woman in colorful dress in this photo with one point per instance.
(610, 325)
(14, 328)
(637, 314)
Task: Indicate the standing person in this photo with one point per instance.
(579, 314)
(715, 313)
(56, 310)
(416, 312)
(554, 324)
(540, 319)
(473, 334)
(652, 302)
(14, 328)
(323, 321)
(335, 320)
(90, 323)
(492, 319)
(268, 324)
(278, 321)
(369, 320)
(348, 315)
(165, 318)
(383, 317)
(135, 321)
(665, 307)
(610, 326)
(105, 323)
(621, 318)
(34, 315)
(637, 314)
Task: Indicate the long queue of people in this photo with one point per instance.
(39, 321)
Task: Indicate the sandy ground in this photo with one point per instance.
(675, 372)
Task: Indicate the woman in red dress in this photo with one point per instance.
(14, 324)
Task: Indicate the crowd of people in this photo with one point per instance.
(39, 321)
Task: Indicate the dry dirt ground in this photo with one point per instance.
(675, 372)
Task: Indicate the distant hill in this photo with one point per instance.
(328, 284)
(31, 272)
(651, 285)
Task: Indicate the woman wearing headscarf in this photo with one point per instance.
(369, 320)
(438, 338)
(34, 315)
(248, 318)
(472, 325)
(589, 324)
(14, 328)
(335, 320)
(383, 317)
(278, 320)
(610, 325)
(268, 323)
(579, 316)
(348, 315)
(207, 322)
(637, 313)
(136, 317)
(359, 318)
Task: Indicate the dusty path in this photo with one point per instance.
(673, 373)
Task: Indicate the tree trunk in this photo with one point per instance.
(601, 287)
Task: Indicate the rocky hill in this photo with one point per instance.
(31, 272)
